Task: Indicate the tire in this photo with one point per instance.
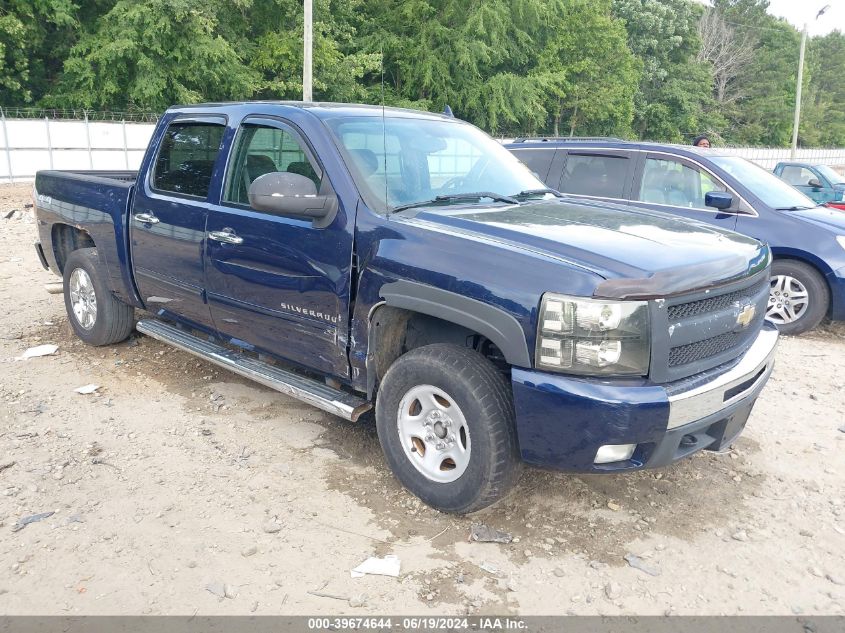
(468, 408)
(799, 298)
(110, 321)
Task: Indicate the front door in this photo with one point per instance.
(679, 187)
(275, 284)
(167, 225)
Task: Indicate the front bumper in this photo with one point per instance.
(563, 421)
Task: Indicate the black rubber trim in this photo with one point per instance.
(40, 251)
(682, 280)
(497, 325)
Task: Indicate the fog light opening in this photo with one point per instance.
(614, 453)
(688, 441)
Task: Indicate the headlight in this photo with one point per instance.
(593, 337)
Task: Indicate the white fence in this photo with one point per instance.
(769, 157)
(28, 145)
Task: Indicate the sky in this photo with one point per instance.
(800, 11)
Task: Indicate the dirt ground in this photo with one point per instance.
(178, 488)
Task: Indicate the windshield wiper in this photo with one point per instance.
(537, 192)
(795, 208)
(452, 197)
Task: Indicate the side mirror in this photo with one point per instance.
(718, 200)
(294, 195)
(815, 183)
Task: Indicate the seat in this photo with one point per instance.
(652, 190)
(304, 168)
(257, 165)
(676, 190)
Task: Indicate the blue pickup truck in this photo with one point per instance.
(363, 258)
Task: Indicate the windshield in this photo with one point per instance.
(829, 173)
(773, 191)
(399, 161)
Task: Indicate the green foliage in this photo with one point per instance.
(675, 92)
(823, 123)
(153, 53)
(581, 67)
(34, 38)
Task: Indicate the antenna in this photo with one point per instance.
(384, 136)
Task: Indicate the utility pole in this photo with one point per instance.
(797, 120)
(307, 39)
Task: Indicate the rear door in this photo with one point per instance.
(678, 186)
(167, 224)
(276, 284)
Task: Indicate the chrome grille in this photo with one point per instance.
(713, 304)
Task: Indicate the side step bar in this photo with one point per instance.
(309, 391)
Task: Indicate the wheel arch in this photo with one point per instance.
(65, 239)
(412, 315)
(802, 257)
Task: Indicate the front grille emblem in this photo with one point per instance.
(746, 316)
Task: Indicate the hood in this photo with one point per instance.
(649, 253)
(823, 217)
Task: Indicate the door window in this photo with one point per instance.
(261, 150)
(675, 184)
(595, 175)
(537, 160)
(797, 176)
(186, 158)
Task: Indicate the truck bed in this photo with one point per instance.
(84, 204)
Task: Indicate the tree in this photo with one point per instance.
(35, 36)
(823, 122)
(600, 72)
(728, 51)
(674, 98)
(150, 54)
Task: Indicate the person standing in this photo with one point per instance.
(701, 141)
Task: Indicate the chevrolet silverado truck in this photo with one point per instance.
(362, 258)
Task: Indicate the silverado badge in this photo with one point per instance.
(746, 315)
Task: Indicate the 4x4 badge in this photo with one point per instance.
(746, 315)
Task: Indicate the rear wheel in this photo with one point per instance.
(446, 425)
(97, 317)
(799, 297)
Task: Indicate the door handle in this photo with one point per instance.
(227, 236)
(146, 218)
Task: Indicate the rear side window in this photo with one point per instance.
(595, 175)
(261, 150)
(186, 158)
(537, 160)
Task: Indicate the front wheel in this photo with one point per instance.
(445, 422)
(96, 316)
(799, 297)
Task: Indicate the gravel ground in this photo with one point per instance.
(178, 488)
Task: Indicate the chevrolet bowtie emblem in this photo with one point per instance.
(746, 315)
